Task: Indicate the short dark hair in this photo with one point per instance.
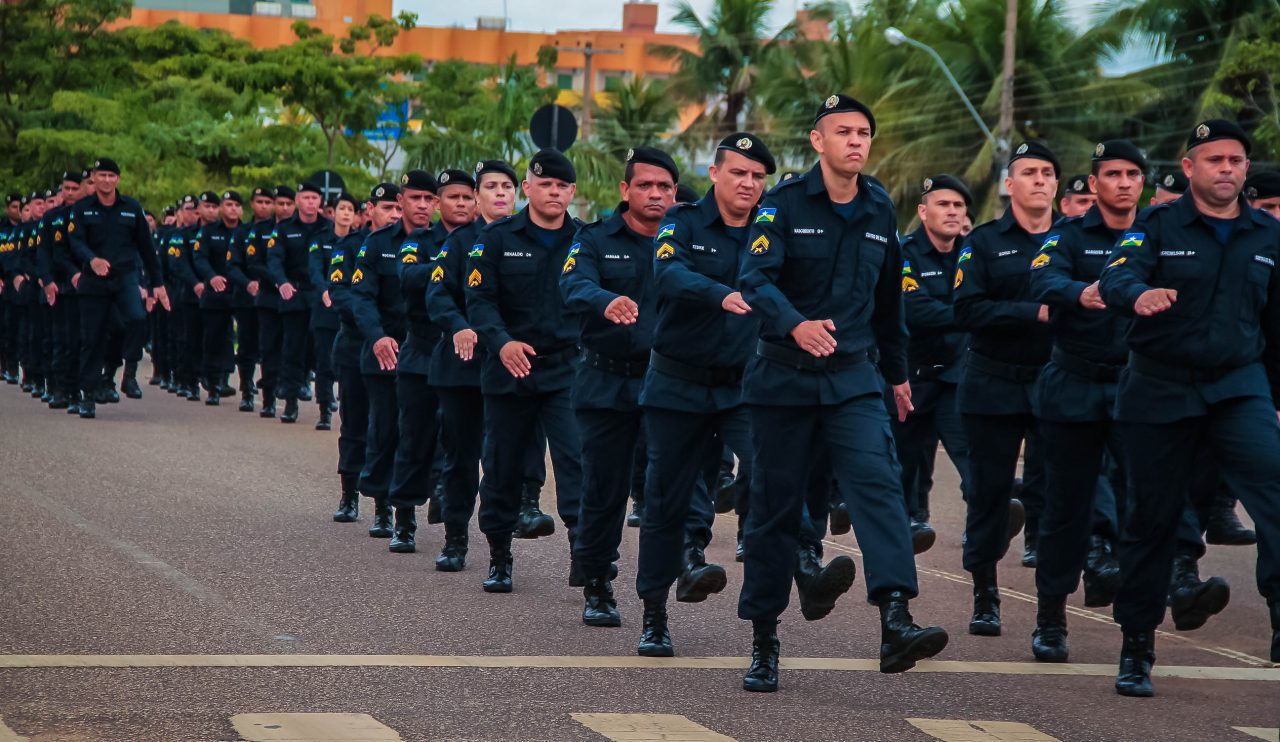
(629, 173)
(719, 161)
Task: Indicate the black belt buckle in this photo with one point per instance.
(627, 368)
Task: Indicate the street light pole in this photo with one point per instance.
(588, 83)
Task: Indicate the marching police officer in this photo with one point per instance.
(823, 271)
(212, 259)
(935, 352)
(1169, 188)
(1199, 277)
(245, 297)
(607, 279)
(1262, 188)
(261, 239)
(58, 268)
(1010, 343)
(111, 241)
(514, 305)
(1076, 196)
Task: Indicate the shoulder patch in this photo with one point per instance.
(965, 253)
(665, 251)
(1040, 260)
(766, 215)
(476, 251)
(1132, 239)
(1050, 241)
(437, 275)
(666, 230)
(475, 278)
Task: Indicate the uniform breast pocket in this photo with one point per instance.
(1254, 296)
(871, 258)
(517, 267)
(805, 264)
(126, 220)
(617, 274)
(1178, 270)
(1007, 275)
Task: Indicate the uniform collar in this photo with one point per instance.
(921, 235)
(814, 185)
(1009, 221)
(1187, 212)
(708, 209)
(1092, 218)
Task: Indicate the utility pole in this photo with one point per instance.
(588, 83)
(1006, 101)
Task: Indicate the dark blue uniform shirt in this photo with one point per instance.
(937, 345)
(447, 307)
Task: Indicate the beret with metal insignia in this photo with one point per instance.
(106, 165)
(1120, 149)
(686, 195)
(841, 103)
(750, 146)
(209, 197)
(501, 167)
(187, 199)
(1262, 184)
(232, 196)
(13, 198)
(418, 180)
(946, 182)
(1077, 185)
(656, 157)
(284, 191)
(1173, 182)
(551, 163)
(1036, 150)
(1216, 129)
(453, 176)
(72, 176)
(384, 192)
(263, 192)
(344, 196)
(310, 187)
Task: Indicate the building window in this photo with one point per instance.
(613, 83)
(564, 81)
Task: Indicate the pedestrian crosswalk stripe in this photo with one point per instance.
(612, 662)
(312, 728)
(648, 728)
(950, 730)
(8, 735)
(1271, 735)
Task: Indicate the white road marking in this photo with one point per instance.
(312, 728)
(954, 730)
(648, 728)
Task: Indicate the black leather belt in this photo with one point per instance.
(1007, 371)
(554, 357)
(713, 376)
(929, 373)
(1086, 368)
(631, 368)
(804, 361)
(1182, 374)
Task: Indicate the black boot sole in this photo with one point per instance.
(840, 523)
(1017, 519)
(922, 541)
(604, 621)
(343, 518)
(928, 644)
(984, 628)
(1209, 602)
(496, 587)
(402, 547)
(1135, 691)
(656, 650)
(708, 582)
(380, 532)
(450, 565)
(1229, 538)
(544, 527)
(834, 580)
(759, 686)
(1100, 592)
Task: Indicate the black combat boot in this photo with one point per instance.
(500, 562)
(838, 516)
(381, 527)
(1101, 574)
(349, 506)
(1275, 630)
(1192, 601)
(1017, 517)
(268, 404)
(762, 675)
(453, 556)
(1137, 655)
(1224, 527)
(402, 538)
(600, 608)
(59, 400)
(88, 408)
(819, 587)
(922, 536)
(304, 393)
(986, 603)
(699, 579)
(1031, 543)
(246, 400)
(532, 522)
(637, 508)
(109, 393)
(290, 414)
(1049, 642)
(655, 639)
(214, 398)
(902, 642)
(326, 419)
(577, 576)
(224, 386)
(435, 509)
(740, 549)
(129, 384)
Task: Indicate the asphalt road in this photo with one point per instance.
(170, 572)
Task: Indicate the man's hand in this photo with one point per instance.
(514, 357)
(464, 343)
(252, 288)
(1154, 301)
(735, 303)
(218, 283)
(162, 295)
(51, 293)
(814, 337)
(1043, 314)
(100, 266)
(622, 311)
(385, 350)
(287, 291)
(18, 281)
(1, 287)
(1091, 299)
(902, 399)
(199, 289)
(75, 281)
(325, 300)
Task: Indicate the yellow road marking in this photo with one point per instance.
(312, 728)
(648, 728)
(621, 662)
(8, 735)
(949, 730)
(1271, 735)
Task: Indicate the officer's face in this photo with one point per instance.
(105, 182)
(457, 205)
(262, 207)
(844, 142)
(170, 220)
(208, 212)
(37, 208)
(1118, 184)
(383, 213)
(308, 205)
(70, 191)
(344, 214)
(231, 211)
(14, 210)
(943, 213)
(26, 212)
(650, 193)
(1032, 184)
(496, 196)
(418, 207)
(549, 197)
(284, 208)
(151, 222)
(739, 181)
(1075, 204)
(1269, 205)
(1216, 170)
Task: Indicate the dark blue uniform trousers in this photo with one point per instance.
(323, 338)
(993, 462)
(270, 346)
(918, 438)
(381, 436)
(66, 342)
(353, 419)
(609, 440)
(461, 437)
(411, 482)
(1245, 437)
(787, 440)
(95, 318)
(684, 448)
(295, 343)
(511, 422)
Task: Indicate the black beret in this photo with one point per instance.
(1120, 149)
(1173, 182)
(1262, 184)
(841, 103)
(48, 193)
(284, 191)
(344, 196)
(106, 164)
(209, 197)
(946, 182)
(170, 211)
(656, 157)
(1077, 185)
(84, 174)
(309, 187)
(12, 197)
(232, 196)
(73, 176)
(551, 163)
(187, 199)
(1034, 150)
(789, 175)
(686, 195)
(1215, 129)
(26, 200)
(749, 145)
(453, 176)
(384, 192)
(418, 180)
(263, 192)
(484, 167)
